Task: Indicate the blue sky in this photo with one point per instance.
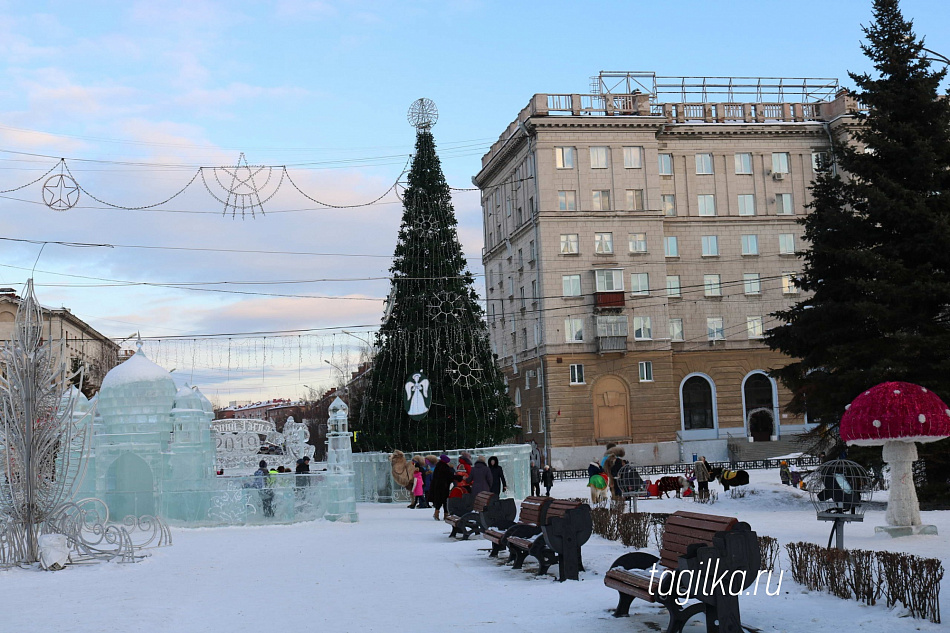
(324, 86)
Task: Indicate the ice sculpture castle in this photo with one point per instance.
(153, 452)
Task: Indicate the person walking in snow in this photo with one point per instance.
(442, 476)
(547, 480)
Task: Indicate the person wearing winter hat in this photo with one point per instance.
(480, 478)
(784, 473)
(441, 482)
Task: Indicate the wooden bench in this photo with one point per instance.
(529, 518)
(698, 549)
(488, 510)
(456, 508)
(563, 527)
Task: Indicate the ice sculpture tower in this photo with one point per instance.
(340, 479)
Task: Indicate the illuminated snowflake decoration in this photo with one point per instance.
(464, 370)
(446, 306)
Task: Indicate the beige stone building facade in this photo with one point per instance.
(634, 250)
(95, 352)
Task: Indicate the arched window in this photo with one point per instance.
(697, 404)
(518, 397)
(757, 394)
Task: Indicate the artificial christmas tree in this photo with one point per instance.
(434, 381)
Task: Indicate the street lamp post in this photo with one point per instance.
(935, 57)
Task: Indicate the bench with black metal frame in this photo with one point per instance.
(709, 547)
(563, 528)
(527, 525)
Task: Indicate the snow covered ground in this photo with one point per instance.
(397, 570)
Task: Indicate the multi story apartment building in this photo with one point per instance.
(84, 346)
(634, 250)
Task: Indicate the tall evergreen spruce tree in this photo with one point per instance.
(878, 264)
(434, 327)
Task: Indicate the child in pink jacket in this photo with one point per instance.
(417, 489)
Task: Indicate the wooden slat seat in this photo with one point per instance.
(528, 517)
(467, 523)
(688, 538)
(564, 527)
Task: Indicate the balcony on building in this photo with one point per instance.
(609, 300)
(611, 333)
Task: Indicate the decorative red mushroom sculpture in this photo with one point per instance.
(895, 415)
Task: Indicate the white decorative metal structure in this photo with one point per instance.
(44, 443)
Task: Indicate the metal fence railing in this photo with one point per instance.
(679, 469)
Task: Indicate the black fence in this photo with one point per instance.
(680, 469)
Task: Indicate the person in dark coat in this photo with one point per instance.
(303, 468)
(498, 482)
(441, 482)
(480, 476)
(535, 479)
(547, 480)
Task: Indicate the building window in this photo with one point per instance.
(632, 157)
(520, 258)
(521, 296)
(541, 420)
(697, 404)
(601, 199)
(786, 244)
(820, 161)
(572, 285)
(707, 204)
(746, 204)
(669, 205)
(666, 164)
(532, 251)
(704, 163)
(635, 199)
(712, 285)
(714, 329)
(598, 158)
(640, 284)
(676, 329)
(577, 374)
(574, 330)
(569, 244)
(783, 204)
(524, 339)
(646, 371)
(613, 325)
(752, 284)
(744, 163)
(566, 201)
(534, 290)
(750, 244)
(754, 326)
(779, 162)
(517, 397)
(642, 328)
(603, 243)
(673, 286)
(528, 425)
(671, 246)
(609, 280)
(789, 287)
(564, 157)
(638, 242)
(710, 246)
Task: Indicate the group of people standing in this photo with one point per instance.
(436, 481)
(265, 480)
